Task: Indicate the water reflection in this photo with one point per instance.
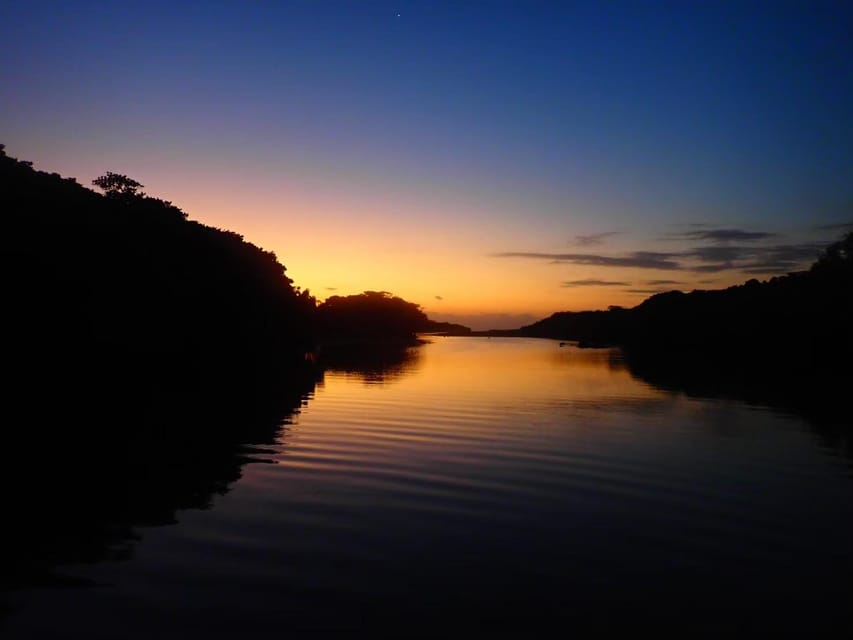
(821, 400)
(143, 453)
(132, 454)
(372, 363)
(474, 484)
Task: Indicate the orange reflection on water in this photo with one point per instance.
(485, 370)
(461, 401)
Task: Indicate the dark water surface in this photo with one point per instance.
(493, 484)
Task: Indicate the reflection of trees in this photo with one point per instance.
(141, 349)
(820, 400)
(370, 315)
(569, 355)
(802, 320)
(375, 363)
(137, 446)
(104, 447)
(101, 453)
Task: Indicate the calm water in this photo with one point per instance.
(493, 483)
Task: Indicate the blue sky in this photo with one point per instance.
(458, 150)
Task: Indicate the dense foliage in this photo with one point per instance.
(140, 350)
(803, 318)
(372, 314)
(126, 273)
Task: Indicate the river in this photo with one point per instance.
(499, 484)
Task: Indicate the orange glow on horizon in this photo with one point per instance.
(448, 269)
(338, 237)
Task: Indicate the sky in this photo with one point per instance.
(494, 162)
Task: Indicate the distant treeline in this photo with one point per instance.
(127, 273)
(115, 298)
(803, 318)
(141, 351)
(124, 277)
(375, 315)
(86, 273)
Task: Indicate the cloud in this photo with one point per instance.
(483, 321)
(784, 258)
(720, 258)
(661, 282)
(592, 282)
(723, 235)
(835, 227)
(712, 268)
(712, 258)
(648, 291)
(773, 259)
(594, 239)
(637, 260)
(439, 298)
(331, 288)
(716, 253)
(770, 268)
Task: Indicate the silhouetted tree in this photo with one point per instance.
(801, 319)
(372, 315)
(118, 185)
(837, 257)
(166, 343)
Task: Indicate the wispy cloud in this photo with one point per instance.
(637, 259)
(650, 291)
(481, 321)
(439, 298)
(770, 268)
(331, 288)
(723, 235)
(838, 226)
(711, 258)
(594, 239)
(662, 282)
(592, 282)
(764, 260)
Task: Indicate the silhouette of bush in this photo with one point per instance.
(139, 350)
(837, 259)
(117, 185)
(803, 319)
(371, 315)
(91, 276)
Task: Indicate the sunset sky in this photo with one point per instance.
(492, 161)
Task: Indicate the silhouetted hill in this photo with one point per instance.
(88, 274)
(376, 316)
(370, 315)
(446, 328)
(802, 318)
(142, 352)
(140, 349)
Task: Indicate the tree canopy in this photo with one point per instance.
(118, 185)
(837, 258)
(372, 314)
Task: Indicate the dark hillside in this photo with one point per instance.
(140, 350)
(131, 275)
(803, 318)
(370, 316)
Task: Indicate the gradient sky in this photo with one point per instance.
(492, 161)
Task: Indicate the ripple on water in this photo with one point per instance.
(496, 483)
